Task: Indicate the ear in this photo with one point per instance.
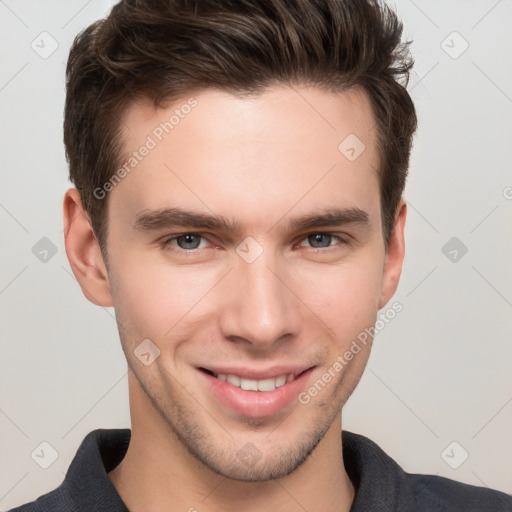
(83, 251)
(394, 256)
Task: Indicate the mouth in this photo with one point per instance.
(247, 384)
(255, 394)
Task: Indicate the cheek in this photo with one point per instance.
(151, 299)
(344, 296)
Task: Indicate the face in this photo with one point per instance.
(248, 248)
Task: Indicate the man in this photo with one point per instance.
(239, 169)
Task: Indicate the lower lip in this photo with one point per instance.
(256, 404)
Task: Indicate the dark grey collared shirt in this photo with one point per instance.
(381, 485)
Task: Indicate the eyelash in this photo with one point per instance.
(169, 241)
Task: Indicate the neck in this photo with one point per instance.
(158, 470)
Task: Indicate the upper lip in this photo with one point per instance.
(258, 374)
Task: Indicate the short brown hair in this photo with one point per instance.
(162, 49)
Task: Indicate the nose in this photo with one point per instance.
(261, 308)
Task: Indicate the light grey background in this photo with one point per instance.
(439, 372)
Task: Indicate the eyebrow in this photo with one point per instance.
(168, 218)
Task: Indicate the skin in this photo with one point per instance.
(259, 161)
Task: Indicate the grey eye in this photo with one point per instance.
(188, 241)
(320, 240)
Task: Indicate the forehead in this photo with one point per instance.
(251, 158)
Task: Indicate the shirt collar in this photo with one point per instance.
(379, 482)
(87, 481)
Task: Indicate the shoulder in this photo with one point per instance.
(57, 500)
(439, 494)
(381, 484)
(87, 486)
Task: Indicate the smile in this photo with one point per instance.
(255, 385)
(257, 394)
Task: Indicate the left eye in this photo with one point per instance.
(321, 240)
(186, 242)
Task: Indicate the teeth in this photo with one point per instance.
(255, 385)
(249, 385)
(266, 385)
(233, 379)
(280, 381)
